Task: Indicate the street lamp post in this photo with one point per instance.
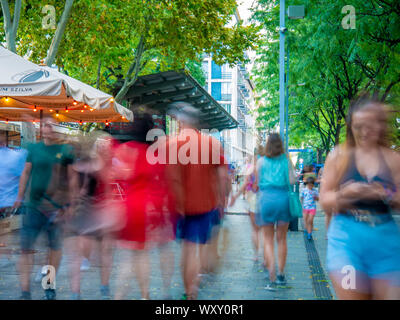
(294, 12)
(282, 31)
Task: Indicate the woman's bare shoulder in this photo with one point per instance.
(392, 157)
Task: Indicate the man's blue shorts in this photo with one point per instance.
(33, 222)
(198, 228)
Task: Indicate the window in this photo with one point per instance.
(226, 106)
(216, 90)
(226, 92)
(216, 71)
(205, 68)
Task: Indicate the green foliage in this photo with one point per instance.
(129, 38)
(331, 63)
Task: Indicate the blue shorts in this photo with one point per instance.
(272, 206)
(197, 228)
(33, 222)
(373, 251)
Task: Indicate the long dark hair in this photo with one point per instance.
(274, 146)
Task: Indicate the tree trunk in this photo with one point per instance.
(55, 44)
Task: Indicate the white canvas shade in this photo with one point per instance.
(28, 91)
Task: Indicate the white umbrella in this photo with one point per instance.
(26, 88)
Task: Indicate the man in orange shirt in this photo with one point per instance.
(204, 178)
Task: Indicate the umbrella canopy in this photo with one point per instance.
(29, 91)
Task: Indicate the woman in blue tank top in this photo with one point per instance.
(361, 185)
(273, 206)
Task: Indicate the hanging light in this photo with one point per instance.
(51, 110)
(66, 109)
(74, 103)
(91, 109)
(85, 106)
(80, 122)
(6, 120)
(112, 99)
(107, 124)
(57, 113)
(34, 109)
(7, 99)
(123, 117)
(82, 110)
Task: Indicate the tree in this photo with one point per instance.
(331, 63)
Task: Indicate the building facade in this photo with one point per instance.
(233, 90)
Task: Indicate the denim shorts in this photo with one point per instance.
(198, 228)
(373, 251)
(33, 222)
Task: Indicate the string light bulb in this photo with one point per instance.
(112, 99)
(74, 103)
(91, 109)
(51, 110)
(82, 110)
(7, 99)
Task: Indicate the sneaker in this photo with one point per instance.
(39, 275)
(280, 279)
(309, 236)
(50, 294)
(105, 292)
(184, 297)
(85, 266)
(271, 286)
(25, 295)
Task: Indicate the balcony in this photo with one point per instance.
(226, 75)
(226, 97)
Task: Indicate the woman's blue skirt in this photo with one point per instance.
(272, 206)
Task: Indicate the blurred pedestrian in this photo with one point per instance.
(46, 187)
(309, 197)
(204, 194)
(360, 186)
(272, 179)
(12, 165)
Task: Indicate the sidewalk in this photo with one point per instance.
(239, 277)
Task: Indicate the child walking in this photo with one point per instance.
(309, 197)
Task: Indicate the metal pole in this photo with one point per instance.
(41, 124)
(287, 98)
(282, 70)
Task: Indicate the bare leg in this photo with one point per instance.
(75, 257)
(269, 257)
(26, 263)
(142, 270)
(190, 268)
(382, 290)
(125, 274)
(347, 294)
(255, 233)
(167, 264)
(106, 257)
(281, 233)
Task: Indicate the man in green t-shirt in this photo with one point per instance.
(46, 187)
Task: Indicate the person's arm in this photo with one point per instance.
(23, 182)
(240, 191)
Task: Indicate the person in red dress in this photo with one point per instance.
(149, 210)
